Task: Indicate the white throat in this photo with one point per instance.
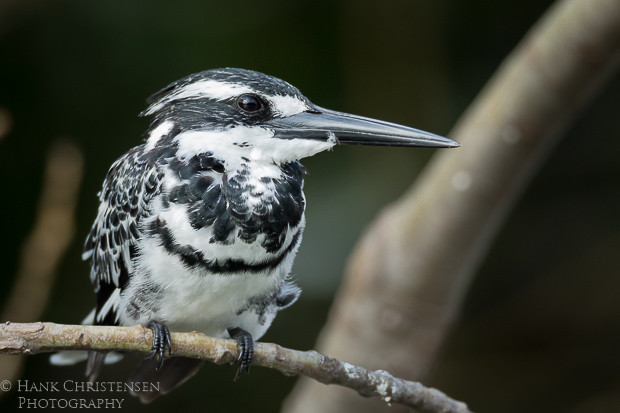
(254, 143)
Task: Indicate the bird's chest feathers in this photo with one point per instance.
(217, 239)
(250, 213)
(264, 201)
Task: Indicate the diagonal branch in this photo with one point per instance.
(32, 338)
(411, 270)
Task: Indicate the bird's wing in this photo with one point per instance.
(131, 183)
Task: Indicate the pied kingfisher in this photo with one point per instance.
(198, 227)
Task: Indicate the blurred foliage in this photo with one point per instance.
(540, 327)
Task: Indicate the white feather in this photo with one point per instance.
(90, 318)
(285, 105)
(69, 358)
(156, 134)
(259, 145)
(111, 304)
(206, 88)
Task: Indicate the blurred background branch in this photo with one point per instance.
(44, 247)
(5, 122)
(406, 280)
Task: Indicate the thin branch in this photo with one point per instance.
(32, 338)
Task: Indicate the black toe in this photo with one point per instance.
(161, 342)
(245, 347)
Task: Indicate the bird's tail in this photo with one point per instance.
(148, 382)
(95, 360)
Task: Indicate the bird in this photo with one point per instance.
(198, 226)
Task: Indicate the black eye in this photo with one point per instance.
(249, 103)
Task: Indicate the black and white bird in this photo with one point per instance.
(198, 227)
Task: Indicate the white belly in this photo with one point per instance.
(162, 288)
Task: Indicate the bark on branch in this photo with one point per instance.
(33, 338)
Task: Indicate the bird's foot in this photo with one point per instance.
(245, 347)
(161, 342)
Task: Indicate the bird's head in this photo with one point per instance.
(235, 113)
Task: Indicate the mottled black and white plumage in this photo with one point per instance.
(198, 227)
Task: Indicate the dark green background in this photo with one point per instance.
(540, 329)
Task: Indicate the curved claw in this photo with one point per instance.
(161, 342)
(245, 347)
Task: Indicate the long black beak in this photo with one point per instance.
(343, 128)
